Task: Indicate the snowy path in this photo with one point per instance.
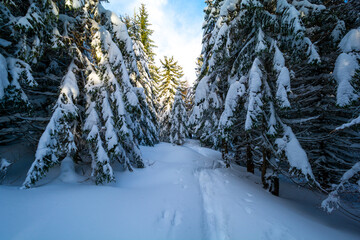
(179, 196)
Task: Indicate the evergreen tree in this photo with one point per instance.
(170, 80)
(189, 99)
(178, 120)
(244, 85)
(347, 180)
(325, 108)
(58, 140)
(199, 62)
(99, 117)
(28, 30)
(146, 77)
(142, 19)
(265, 91)
(339, 165)
(136, 63)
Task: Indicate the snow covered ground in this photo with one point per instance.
(178, 196)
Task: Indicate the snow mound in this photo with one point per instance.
(67, 169)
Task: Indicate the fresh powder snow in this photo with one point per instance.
(180, 195)
(102, 137)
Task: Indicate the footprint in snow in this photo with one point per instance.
(247, 200)
(277, 233)
(165, 215)
(179, 181)
(249, 194)
(173, 218)
(177, 219)
(248, 210)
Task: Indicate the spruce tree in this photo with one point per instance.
(100, 117)
(178, 120)
(339, 164)
(146, 77)
(28, 30)
(319, 96)
(170, 81)
(144, 31)
(244, 86)
(266, 91)
(136, 62)
(58, 140)
(142, 19)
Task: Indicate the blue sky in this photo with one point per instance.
(177, 25)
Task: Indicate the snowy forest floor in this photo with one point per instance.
(178, 196)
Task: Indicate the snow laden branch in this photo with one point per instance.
(353, 122)
(297, 158)
(332, 202)
(20, 73)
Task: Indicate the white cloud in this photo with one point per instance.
(175, 33)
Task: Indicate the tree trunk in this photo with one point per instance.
(249, 162)
(225, 152)
(275, 186)
(264, 167)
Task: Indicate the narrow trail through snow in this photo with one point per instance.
(180, 195)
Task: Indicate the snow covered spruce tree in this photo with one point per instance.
(178, 120)
(209, 118)
(321, 99)
(27, 32)
(170, 81)
(140, 33)
(99, 117)
(136, 62)
(245, 85)
(342, 165)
